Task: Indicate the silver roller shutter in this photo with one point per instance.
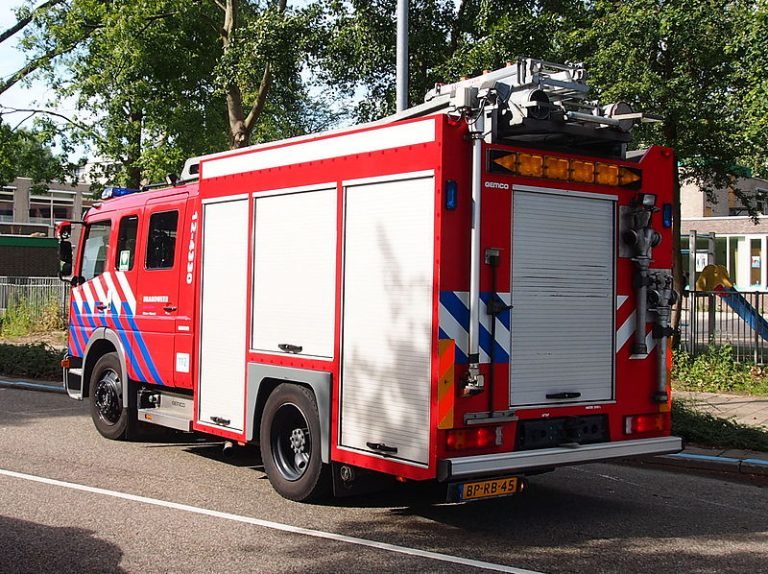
(562, 335)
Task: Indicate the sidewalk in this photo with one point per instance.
(752, 411)
(744, 409)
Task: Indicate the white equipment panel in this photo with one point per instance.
(563, 298)
(223, 317)
(387, 323)
(294, 272)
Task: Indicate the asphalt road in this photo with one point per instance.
(71, 501)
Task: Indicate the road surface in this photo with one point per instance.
(71, 501)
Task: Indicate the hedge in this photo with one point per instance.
(37, 361)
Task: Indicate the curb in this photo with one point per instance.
(749, 466)
(33, 385)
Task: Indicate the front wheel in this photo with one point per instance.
(112, 418)
(290, 444)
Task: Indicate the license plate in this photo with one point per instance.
(486, 488)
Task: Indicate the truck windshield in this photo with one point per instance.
(95, 249)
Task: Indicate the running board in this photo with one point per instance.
(166, 409)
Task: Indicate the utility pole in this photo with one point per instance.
(402, 55)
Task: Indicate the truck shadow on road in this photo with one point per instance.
(588, 518)
(31, 547)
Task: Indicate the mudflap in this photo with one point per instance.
(352, 481)
(73, 377)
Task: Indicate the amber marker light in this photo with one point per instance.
(582, 171)
(607, 174)
(530, 165)
(628, 176)
(508, 162)
(556, 168)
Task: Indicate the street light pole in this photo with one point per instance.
(402, 55)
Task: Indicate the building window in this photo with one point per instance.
(161, 243)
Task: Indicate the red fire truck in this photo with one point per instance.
(471, 291)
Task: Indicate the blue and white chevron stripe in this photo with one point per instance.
(454, 324)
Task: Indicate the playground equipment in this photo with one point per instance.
(715, 278)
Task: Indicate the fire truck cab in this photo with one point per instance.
(471, 291)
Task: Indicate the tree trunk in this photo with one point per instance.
(132, 166)
(240, 124)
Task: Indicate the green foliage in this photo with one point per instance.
(25, 153)
(38, 361)
(716, 371)
(706, 430)
(157, 81)
(23, 318)
(447, 40)
(676, 58)
(753, 69)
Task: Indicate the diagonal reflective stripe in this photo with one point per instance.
(620, 300)
(113, 297)
(458, 309)
(78, 299)
(127, 291)
(453, 330)
(99, 289)
(88, 295)
(625, 331)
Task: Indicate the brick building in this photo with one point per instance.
(27, 224)
(740, 243)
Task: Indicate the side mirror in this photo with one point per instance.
(65, 253)
(64, 230)
(65, 258)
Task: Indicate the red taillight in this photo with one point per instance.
(65, 363)
(639, 424)
(481, 437)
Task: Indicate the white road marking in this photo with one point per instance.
(273, 525)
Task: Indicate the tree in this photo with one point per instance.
(24, 153)
(158, 81)
(26, 15)
(753, 68)
(677, 58)
(447, 40)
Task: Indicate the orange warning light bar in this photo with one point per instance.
(564, 169)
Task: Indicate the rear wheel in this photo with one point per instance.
(113, 419)
(290, 444)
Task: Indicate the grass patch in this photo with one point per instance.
(715, 371)
(707, 430)
(38, 361)
(23, 318)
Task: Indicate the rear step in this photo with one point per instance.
(166, 409)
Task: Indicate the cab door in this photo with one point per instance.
(158, 285)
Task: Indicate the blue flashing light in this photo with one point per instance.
(451, 194)
(110, 192)
(666, 215)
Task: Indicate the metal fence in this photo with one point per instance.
(35, 291)
(716, 318)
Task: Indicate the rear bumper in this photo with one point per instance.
(530, 460)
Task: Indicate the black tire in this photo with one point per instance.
(290, 444)
(111, 417)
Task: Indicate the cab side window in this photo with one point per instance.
(161, 242)
(126, 243)
(95, 249)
